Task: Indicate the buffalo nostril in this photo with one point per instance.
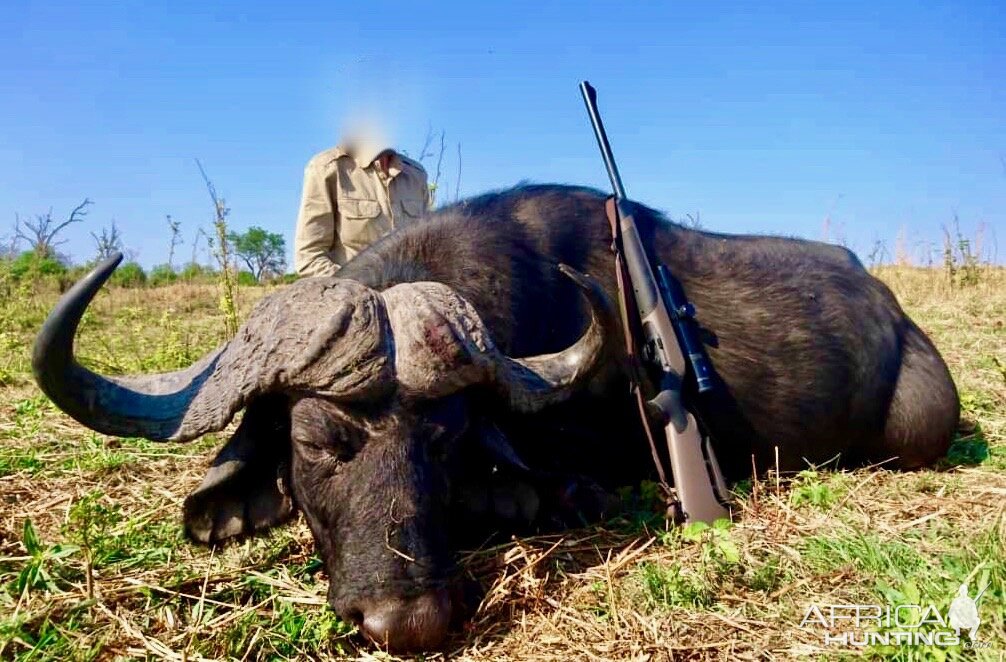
(412, 624)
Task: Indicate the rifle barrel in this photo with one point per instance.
(590, 100)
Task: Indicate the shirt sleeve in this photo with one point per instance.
(427, 193)
(316, 227)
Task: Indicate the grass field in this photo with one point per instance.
(94, 564)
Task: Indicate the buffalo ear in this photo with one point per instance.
(247, 488)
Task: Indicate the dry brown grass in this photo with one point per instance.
(627, 589)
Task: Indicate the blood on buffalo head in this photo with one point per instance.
(371, 391)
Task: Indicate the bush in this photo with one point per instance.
(129, 274)
(162, 274)
(194, 271)
(246, 278)
(32, 266)
(78, 271)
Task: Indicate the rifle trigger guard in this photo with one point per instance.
(666, 406)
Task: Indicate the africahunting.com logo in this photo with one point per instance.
(912, 624)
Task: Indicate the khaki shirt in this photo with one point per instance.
(346, 206)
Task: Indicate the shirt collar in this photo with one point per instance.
(367, 152)
(394, 163)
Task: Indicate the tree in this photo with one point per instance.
(222, 253)
(8, 247)
(264, 252)
(195, 246)
(41, 234)
(108, 242)
(427, 152)
(176, 240)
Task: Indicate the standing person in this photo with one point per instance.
(354, 194)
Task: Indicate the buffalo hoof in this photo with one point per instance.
(405, 625)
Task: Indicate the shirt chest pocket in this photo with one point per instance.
(412, 209)
(360, 222)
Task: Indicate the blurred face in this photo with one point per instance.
(365, 141)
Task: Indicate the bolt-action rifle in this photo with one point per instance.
(661, 332)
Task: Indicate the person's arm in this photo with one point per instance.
(426, 187)
(316, 231)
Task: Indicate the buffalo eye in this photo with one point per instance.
(333, 441)
(326, 450)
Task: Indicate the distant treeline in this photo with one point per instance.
(33, 267)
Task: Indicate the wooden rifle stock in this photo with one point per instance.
(697, 480)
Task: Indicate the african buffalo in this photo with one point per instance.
(386, 403)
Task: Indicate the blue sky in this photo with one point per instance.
(760, 117)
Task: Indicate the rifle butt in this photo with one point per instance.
(697, 478)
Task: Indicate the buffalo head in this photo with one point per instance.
(359, 402)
